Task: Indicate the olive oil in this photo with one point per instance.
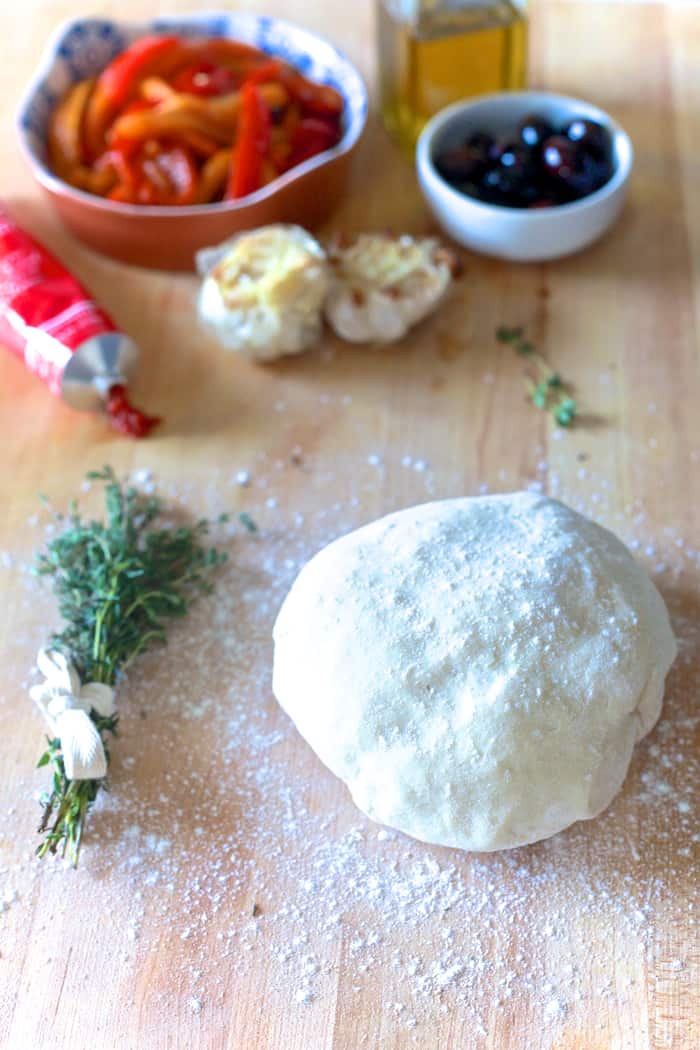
(433, 52)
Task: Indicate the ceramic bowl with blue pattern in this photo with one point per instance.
(168, 237)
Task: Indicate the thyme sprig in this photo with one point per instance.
(118, 583)
(546, 389)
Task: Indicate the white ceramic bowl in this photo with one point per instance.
(521, 234)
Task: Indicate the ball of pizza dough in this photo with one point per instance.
(476, 670)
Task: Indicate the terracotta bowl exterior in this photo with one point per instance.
(168, 237)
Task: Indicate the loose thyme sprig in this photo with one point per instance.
(547, 390)
(118, 583)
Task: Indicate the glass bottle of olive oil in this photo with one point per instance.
(433, 52)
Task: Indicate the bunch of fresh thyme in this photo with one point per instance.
(547, 390)
(118, 583)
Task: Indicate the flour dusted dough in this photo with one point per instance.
(476, 670)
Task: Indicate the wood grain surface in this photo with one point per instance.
(229, 894)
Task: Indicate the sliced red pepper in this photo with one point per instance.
(205, 79)
(312, 135)
(174, 175)
(116, 83)
(120, 159)
(319, 100)
(265, 71)
(121, 194)
(251, 145)
(152, 173)
(122, 74)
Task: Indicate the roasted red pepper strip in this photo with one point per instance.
(121, 76)
(125, 418)
(205, 79)
(168, 177)
(155, 174)
(120, 159)
(251, 145)
(120, 79)
(320, 100)
(265, 71)
(312, 135)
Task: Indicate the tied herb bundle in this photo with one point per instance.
(118, 582)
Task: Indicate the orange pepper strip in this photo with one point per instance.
(84, 178)
(225, 107)
(155, 89)
(282, 135)
(65, 126)
(202, 145)
(215, 117)
(213, 175)
(122, 194)
(268, 172)
(169, 123)
(97, 116)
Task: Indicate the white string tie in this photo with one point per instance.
(66, 704)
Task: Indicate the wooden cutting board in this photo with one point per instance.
(230, 895)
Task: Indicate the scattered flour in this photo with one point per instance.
(243, 856)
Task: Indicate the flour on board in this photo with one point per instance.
(244, 856)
